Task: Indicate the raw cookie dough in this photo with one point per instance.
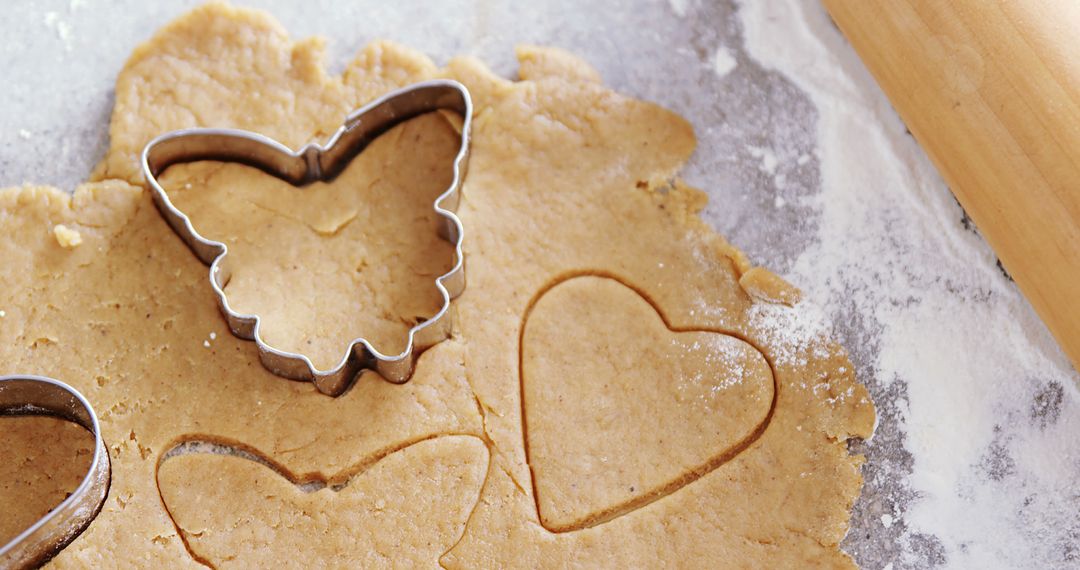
(621, 411)
(129, 320)
(567, 179)
(271, 518)
(314, 262)
(44, 459)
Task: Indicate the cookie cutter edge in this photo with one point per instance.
(28, 395)
(322, 162)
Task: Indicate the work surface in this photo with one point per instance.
(976, 460)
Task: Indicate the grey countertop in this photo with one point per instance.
(60, 58)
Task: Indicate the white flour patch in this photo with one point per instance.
(992, 411)
(60, 27)
(723, 62)
(679, 7)
(791, 330)
(767, 156)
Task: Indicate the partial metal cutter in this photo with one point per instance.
(40, 396)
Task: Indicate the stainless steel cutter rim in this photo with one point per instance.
(360, 354)
(66, 520)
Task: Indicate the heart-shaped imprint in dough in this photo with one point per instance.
(620, 410)
(402, 510)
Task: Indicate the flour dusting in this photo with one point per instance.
(792, 330)
(679, 7)
(60, 27)
(987, 406)
(723, 62)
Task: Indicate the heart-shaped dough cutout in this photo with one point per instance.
(404, 510)
(620, 410)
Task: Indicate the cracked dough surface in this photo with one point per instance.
(571, 213)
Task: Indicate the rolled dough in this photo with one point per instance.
(573, 215)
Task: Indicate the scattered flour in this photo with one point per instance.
(60, 27)
(723, 356)
(679, 7)
(792, 330)
(723, 62)
(769, 164)
(991, 417)
(768, 159)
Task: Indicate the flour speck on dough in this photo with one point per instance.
(793, 329)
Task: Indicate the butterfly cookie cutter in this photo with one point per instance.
(321, 162)
(40, 396)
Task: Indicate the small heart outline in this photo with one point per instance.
(308, 482)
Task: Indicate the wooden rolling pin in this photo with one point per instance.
(991, 90)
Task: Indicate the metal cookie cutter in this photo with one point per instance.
(320, 162)
(39, 396)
